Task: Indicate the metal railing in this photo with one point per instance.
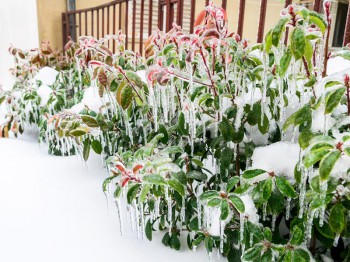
(122, 15)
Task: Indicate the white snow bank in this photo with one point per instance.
(214, 216)
(337, 64)
(46, 75)
(44, 93)
(56, 211)
(142, 75)
(280, 157)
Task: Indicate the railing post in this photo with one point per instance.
(287, 3)
(64, 31)
(317, 5)
(168, 15)
(241, 17)
(180, 9)
(193, 12)
(263, 5)
(224, 4)
(347, 29)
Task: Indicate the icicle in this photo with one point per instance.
(199, 213)
(309, 225)
(169, 204)
(222, 236)
(194, 248)
(264, 211)
(273, 222)
(209, 256)
(251, 239)
(120, 218)
(142, 221)
(137, 218)
(183, 210)
(336, 240)
(302, 191)
(288, 208)
(241, 229)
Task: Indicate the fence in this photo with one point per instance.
(122, 15)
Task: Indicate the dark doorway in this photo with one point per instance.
(340, 25)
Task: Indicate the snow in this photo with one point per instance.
(53, 209)
(282, 158)
(337, 64)
(46, 75)
(142, 75)
(251, 213)
(44, 93)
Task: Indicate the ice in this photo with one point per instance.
(251, 213)
(46, 75)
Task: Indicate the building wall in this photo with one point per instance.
(19, 27)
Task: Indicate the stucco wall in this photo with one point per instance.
(19, 27)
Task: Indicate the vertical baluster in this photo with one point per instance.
(79, 24)
(114, 27)
(133, 24)
(193, 12)
(103, 22)
(160, 16)
(317, 5)
(126, 24)
(263, 5)
(92, 22)
(224, 4)
(180, 10)
(141, 25)
(241, 17)
(150, 17)
(86, 24)
(120, 16)
(98, 23)
(347, 29)
(288, 2)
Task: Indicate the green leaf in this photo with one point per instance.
(284, 62)
(337, 218)
(224, 210)
(96, 146)
(267, 189)
(318, 20)
(175, 242)
(285, 187)
(209, 194)
(253, 253)
(154, 179)
(132, 192)
(249, 174)
(327, 163)
(302, 116)
(315, 156)
(305, 138)
(197, 175)
(177, 186)
(89, 121)
(332, 83)
(133, 77)
(297, 236)
(124, 95)
(309, 51)
(148, 230)
(267, 256)
(232, 182)
(144, 191)
(173, 150)
(333, 99)
(226, 129)
(301, 255)
(214, 202)
(106, 183)
(86, 149)
(298, 43)
(237, 202)
(79, 131)
(226, 158)
(278, 30)
(182, 126)
(196, 91)
(325, 230)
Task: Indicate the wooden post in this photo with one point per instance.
(263, 5)
(241, 17)
(347, 29)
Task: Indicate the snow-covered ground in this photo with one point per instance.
(53, 209)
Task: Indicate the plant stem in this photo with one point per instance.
(237, 161)
(324, 73)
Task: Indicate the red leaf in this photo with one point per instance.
(120, 167)
(200, 18)
(137, 168)
(125, 181)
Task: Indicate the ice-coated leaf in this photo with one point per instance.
(96, 146)
(332, 83)
(86, 149)
(177, 186)
(301, 255)
(133, 77)
(106, 183)
(144, 191)
(209, 194)
(249, 174)
(173, 150)
(333, 99)
(124, 95)
(297, 236)
(337, 218)
(237, 203)
(267, 189)
(226, 129)
(154, 179)
(214, 202)
(224, 210)
(182, 126)
(253, 253)
(197, 175)
(278, 30)
(285, 187)
(79, 131)
(231, 183)
(325, 230)
(298, 43)
(314, 157)
(148, 230)
(132, 192)
(267, 256)
(284, 62)
(318, 20)
(327, 163)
